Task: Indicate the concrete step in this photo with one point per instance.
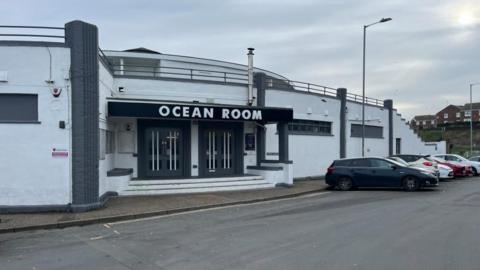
(199, 189)
(196, 184)
(195, 180)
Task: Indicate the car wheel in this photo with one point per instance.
(344, 184)
(474, 171)
(410, 183)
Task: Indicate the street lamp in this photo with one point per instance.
(363, 82)
(471, 118)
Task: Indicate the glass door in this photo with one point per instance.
(219, 149)
(164, 148)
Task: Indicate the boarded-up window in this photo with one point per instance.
(18, 108)
(370, 131)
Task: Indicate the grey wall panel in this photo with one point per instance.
(82, 38)
(388, 104)
(342, 95)
(18, 107)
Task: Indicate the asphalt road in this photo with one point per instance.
(364, 229)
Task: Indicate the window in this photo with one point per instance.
(424, 122)
(360, 163)
(19, 108)
(370, 131)
(433, 122)
(309, 127)
(342, 163)
(445, 115)
(457, 115)
(378, 163)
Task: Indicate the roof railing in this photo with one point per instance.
(10, 33)
(368, 100)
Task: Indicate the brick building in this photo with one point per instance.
(448, 115)
(423, 122)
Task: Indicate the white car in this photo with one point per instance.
(457, 158)
(445, 172)
(419, 161)
(431, 171)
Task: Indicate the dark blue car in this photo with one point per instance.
(345, 174)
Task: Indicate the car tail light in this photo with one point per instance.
(330, 170)
(427, 163)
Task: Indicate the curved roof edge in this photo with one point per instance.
(173, 56)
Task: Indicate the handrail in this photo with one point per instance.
(226, 77)
(105, 58)
(32, 27)
(31, 35)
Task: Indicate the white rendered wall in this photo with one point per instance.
(181, 91)
(30, 174)
(105, 90)
(126, 143)
(374, 116)
(311, 155)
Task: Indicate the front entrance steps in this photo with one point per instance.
(195, 185)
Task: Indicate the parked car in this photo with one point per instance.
(457, 158)
(420, 161)
(459, 169)
(445, 172)
(345, 174)
(475, 158)
(433, 172)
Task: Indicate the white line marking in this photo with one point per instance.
(97, 237)
(216, 208)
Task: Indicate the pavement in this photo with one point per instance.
(366, 229)
(124, 208)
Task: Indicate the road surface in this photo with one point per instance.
(364, 229)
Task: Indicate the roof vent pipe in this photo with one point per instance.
(250, 76)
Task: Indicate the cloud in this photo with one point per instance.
(422, 59)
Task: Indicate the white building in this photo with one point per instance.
(78, 125)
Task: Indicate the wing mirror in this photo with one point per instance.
(394, 167)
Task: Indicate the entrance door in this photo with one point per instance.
(164, 151)
(219, 151)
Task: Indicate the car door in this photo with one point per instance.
(360, 169)
(383, 173)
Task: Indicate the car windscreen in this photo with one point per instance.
(398, 161)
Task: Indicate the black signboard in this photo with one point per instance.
(199, 112)
(249, 142)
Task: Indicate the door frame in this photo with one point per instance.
(238, 144)
(142, 125)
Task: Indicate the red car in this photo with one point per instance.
(459, 170)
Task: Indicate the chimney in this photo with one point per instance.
(250, 76)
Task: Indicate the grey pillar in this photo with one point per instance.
(260, 81)
(82, 39)
(261, 85)
(388, 104)
(342, 95)
(282, 128)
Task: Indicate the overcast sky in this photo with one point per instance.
(424, 59)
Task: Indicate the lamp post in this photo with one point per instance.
(363, 81)
(471, 118)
